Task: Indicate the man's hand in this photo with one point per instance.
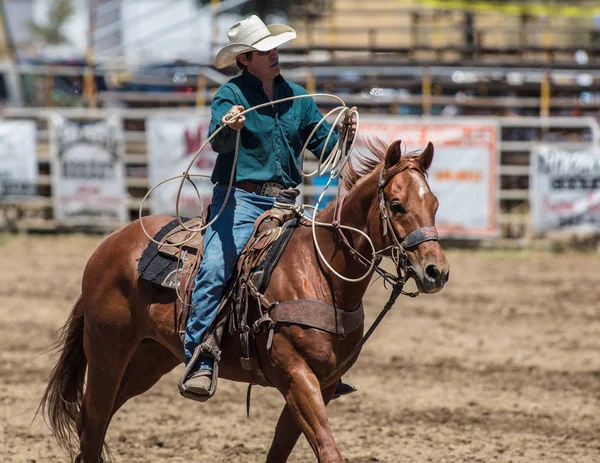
(232, 120)
(349, 124)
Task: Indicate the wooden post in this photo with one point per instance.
(333, 32)
(414, 28)
(201, 90)
(547, 40)
(311, 83)
(437, 36)
(89, 83)
(469, 35)
(426, 92)
(372, 40)
(545, 94)
(523, 26)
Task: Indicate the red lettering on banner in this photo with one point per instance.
(193, 142)
(86, 190)
(559, 206)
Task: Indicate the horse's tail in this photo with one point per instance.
(62, 400)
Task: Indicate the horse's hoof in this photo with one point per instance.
(343, 389)
(79, 459)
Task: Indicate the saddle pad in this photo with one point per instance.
(154, 266)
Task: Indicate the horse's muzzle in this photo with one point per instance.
(431, 277)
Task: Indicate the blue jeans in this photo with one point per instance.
(223, 242)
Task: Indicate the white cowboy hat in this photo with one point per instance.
(251, 34)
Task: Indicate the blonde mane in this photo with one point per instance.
(367, 164)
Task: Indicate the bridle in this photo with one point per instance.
(397, 248)
(413, 239)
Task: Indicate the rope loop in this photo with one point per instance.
(333, 163)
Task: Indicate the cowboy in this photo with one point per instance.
(271, 140)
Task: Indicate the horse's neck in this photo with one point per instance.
(356, 212)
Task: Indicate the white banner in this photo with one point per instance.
(463, 175)
(87, 170)
(172, 144)
(564, 189)
(18, 163)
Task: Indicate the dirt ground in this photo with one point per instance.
(502, 366)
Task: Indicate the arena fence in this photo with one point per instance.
(517, 137)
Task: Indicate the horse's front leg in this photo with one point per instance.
(287, 432)
(305, 402)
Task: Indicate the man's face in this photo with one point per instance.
(263, 64)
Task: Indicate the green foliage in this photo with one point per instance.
(59, 14)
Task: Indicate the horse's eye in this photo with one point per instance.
(397, 208)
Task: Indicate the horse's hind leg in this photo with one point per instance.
(287, 432)
(147, 365)
(108, 354)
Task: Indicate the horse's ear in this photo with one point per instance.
(392, 156)
(427, 156)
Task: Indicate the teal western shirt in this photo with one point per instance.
(272, 137)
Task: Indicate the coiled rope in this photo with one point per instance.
(335, 162)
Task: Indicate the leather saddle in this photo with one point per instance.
(174, 263)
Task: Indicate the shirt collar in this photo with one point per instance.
(256, 83)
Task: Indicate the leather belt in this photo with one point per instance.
(263, 189)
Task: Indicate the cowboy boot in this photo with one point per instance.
(199, 382)
(200, 385)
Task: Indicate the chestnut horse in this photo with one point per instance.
(125, 330)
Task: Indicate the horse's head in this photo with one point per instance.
(407, 208)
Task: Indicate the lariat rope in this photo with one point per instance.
(186, 176)
(335, 161)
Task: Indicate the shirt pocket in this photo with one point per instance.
(290, 123)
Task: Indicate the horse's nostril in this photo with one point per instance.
(432, 272)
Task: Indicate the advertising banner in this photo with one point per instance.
(564, 188)
(87, 171)
(172, 144)
(463, 175)
(18, 163)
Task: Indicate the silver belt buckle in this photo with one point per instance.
(271, 189)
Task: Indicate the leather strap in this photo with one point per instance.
(257, 188)
(317, 314)
(420, 235)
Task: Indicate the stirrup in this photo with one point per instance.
(208, 351)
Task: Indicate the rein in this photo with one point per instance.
(396, 291)
(414, 238)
